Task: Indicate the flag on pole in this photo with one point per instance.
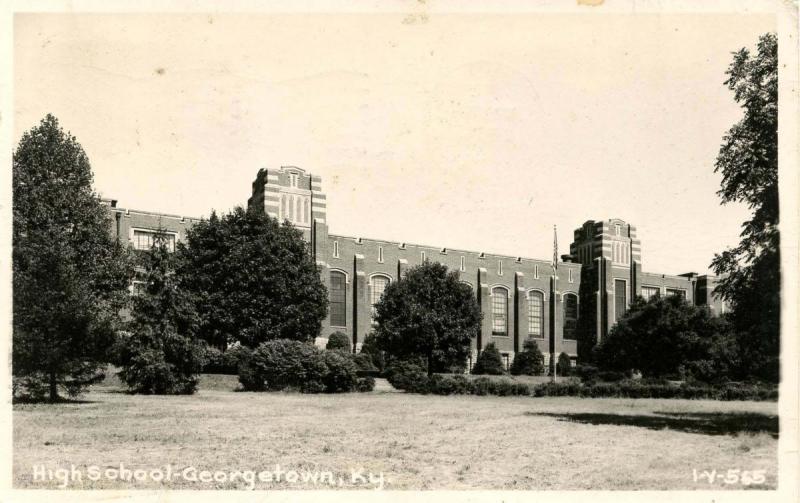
(555, 249)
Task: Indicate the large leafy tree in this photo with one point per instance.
(429, 313)
(253, 280)
(70, 276)
(665, 337)
(748, 162)
(161, 354)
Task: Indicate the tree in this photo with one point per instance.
(489, 362)
(253, 280)
(660, 338)
(428, 313)
(70, 276)
(748, 161)
(530, 361)
(564, 365)
(370, 348)
(162, 354)
(338, 341)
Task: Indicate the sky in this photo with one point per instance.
(468, 131)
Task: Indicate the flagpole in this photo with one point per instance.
(553, 362)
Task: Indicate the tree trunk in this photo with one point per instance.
(53, 387)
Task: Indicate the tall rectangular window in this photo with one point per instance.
(620, 299)
(499, 311)
(423, 257)
(535, 314)
(380, 254)
(338, 299)
(569, 275)
(536, 271)
(144, 240)
(499, 267)
(676, 291)
(335, 249)
(648, 292)
(570, 316)
(379, 284)
(463, 266)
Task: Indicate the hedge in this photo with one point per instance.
(411, 379)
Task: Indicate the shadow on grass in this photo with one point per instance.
(705, 423)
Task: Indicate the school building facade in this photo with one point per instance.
(520, 298)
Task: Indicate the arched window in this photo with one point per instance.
(379, 284)
(338, 299)
(535, 314)
(499, 311)
(570, 316)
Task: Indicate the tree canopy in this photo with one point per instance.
(662, 337)
(70, 276)
(748, 162)
(253, 280)
(429, 313)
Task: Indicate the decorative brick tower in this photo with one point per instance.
(612, 258)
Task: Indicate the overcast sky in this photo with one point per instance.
(466, 131)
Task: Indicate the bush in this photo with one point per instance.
(587, 373)
(530, 361)
(341, 372)
(370, 347)
(564, 365)
(365, 384)
(281, 364)
(450, 385)
(408, 375)
(489, 362)
(235, 356)
(338, 341)
(364, 363)
(611, 376)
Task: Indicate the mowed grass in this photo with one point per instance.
(415, 441)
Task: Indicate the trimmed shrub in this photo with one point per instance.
(338, 341)
(489, 362)
(450, 385)
(530, 361)
(408, 375)
(564, 365)
(364, 363)
(587, 373)
(281, 364)
(370, 347)
(235, 356)
(365, 384)
(341, 372)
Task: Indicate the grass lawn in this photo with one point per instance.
(416, 442)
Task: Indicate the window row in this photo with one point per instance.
(295, 208)
(338, 296)
(499, 306)
(499, 309)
